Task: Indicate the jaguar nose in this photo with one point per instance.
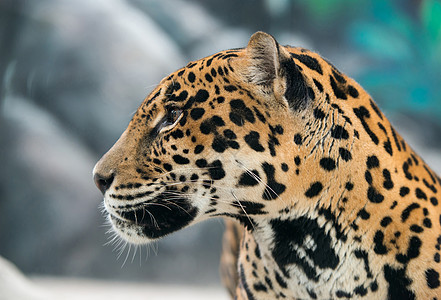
(102, 182)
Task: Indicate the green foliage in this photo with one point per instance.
(431, 22)
(400, 43)
(403, 50)
(324, 11)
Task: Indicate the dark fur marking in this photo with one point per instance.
(230, 88)
(338, 132)
(327, 163)
(404, 190)
(363, 255)
(338, 76)
(398, 283)
(388, 183)
(259, 115)
(208, 77)
(260, 287)
(330, 216)
(368, 177)
(220, 144)
(288, 233)
(252, 139)
(191, 77)
(228, 56)
(311, 294)
(240, 113)
(180, 159)
(216, 171)
(362, 113)
(177, 134)
(210, 125)
(420, 194)
(345, 154)
(343, 294)
(168, 218)
(244, 284)
(272, 142)
(273, 189)
(251, 208)
(406, 170)
(413, 251)
(394, 134)
(372, 162)
(309, 62)
(379, 246)
(388, 147)
(427, 223)
(152, 98)
(298, 139)
(430, 186)
(318, 85)
(353, 91)
(201, 96)
(311, 93)
(201, 163)
(386, 221)
(319, 114)
(197, 113)
(229, 134)
(280, 280)
(296, 92)
(374, 196)
(314, 189)
(337, 91)
(376, 109)
(247, 179)
(198, 149)
(180, 98)
(406, 212)
(432, 278)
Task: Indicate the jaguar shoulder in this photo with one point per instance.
(333, 202)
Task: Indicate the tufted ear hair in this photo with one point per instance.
(272, 68)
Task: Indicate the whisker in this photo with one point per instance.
(128, 252)
(121, 249)
(258, 179)
(152, 218)
(241, 206)
(134, 252)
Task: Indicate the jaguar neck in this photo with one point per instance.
(301, 257)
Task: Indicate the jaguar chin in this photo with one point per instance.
(143, 222)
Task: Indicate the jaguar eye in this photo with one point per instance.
(172, 117)
(173, 114)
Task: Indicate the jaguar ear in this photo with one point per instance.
(272, 68)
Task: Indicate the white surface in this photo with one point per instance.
(15, 286)
(106, 290)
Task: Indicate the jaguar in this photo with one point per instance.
(322, 198)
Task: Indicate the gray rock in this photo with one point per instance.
(90, 63)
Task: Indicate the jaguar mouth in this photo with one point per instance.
(153, 219)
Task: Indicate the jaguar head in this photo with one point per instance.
(213, 139)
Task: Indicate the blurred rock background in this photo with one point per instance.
(72, 72)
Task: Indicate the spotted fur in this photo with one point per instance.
(332, 201)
